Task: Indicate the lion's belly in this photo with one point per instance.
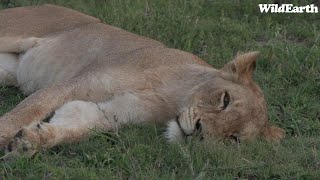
(47, 64)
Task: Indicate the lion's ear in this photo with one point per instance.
(273, 134)
(242, 66)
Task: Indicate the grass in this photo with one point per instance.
(288, 72)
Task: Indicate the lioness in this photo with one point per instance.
(82, 74)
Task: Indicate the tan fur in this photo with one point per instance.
(93, 75)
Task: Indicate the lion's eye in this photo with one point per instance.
(226, 100)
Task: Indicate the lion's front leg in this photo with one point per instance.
(74, 121)
(34, 108)
(70, 123)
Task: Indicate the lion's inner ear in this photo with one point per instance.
(243, 66)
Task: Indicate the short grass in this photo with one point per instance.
(288, 72)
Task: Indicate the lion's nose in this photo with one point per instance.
(196, 132)
(235, 138)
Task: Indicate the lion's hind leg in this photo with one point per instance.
(17, 44)
(9, 49)
(71, 123)
(8, 69)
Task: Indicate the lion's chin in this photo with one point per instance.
(173, 132)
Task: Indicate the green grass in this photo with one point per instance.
(288, 72)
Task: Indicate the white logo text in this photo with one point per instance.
(287, 8)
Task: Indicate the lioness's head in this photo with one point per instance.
(229, 106)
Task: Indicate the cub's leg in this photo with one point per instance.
(8, 69)
(74, 121)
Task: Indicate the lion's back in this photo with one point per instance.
(74, 43)
(41, 20)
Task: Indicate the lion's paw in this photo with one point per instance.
(27, 141)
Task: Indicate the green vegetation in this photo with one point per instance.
(288, 72)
